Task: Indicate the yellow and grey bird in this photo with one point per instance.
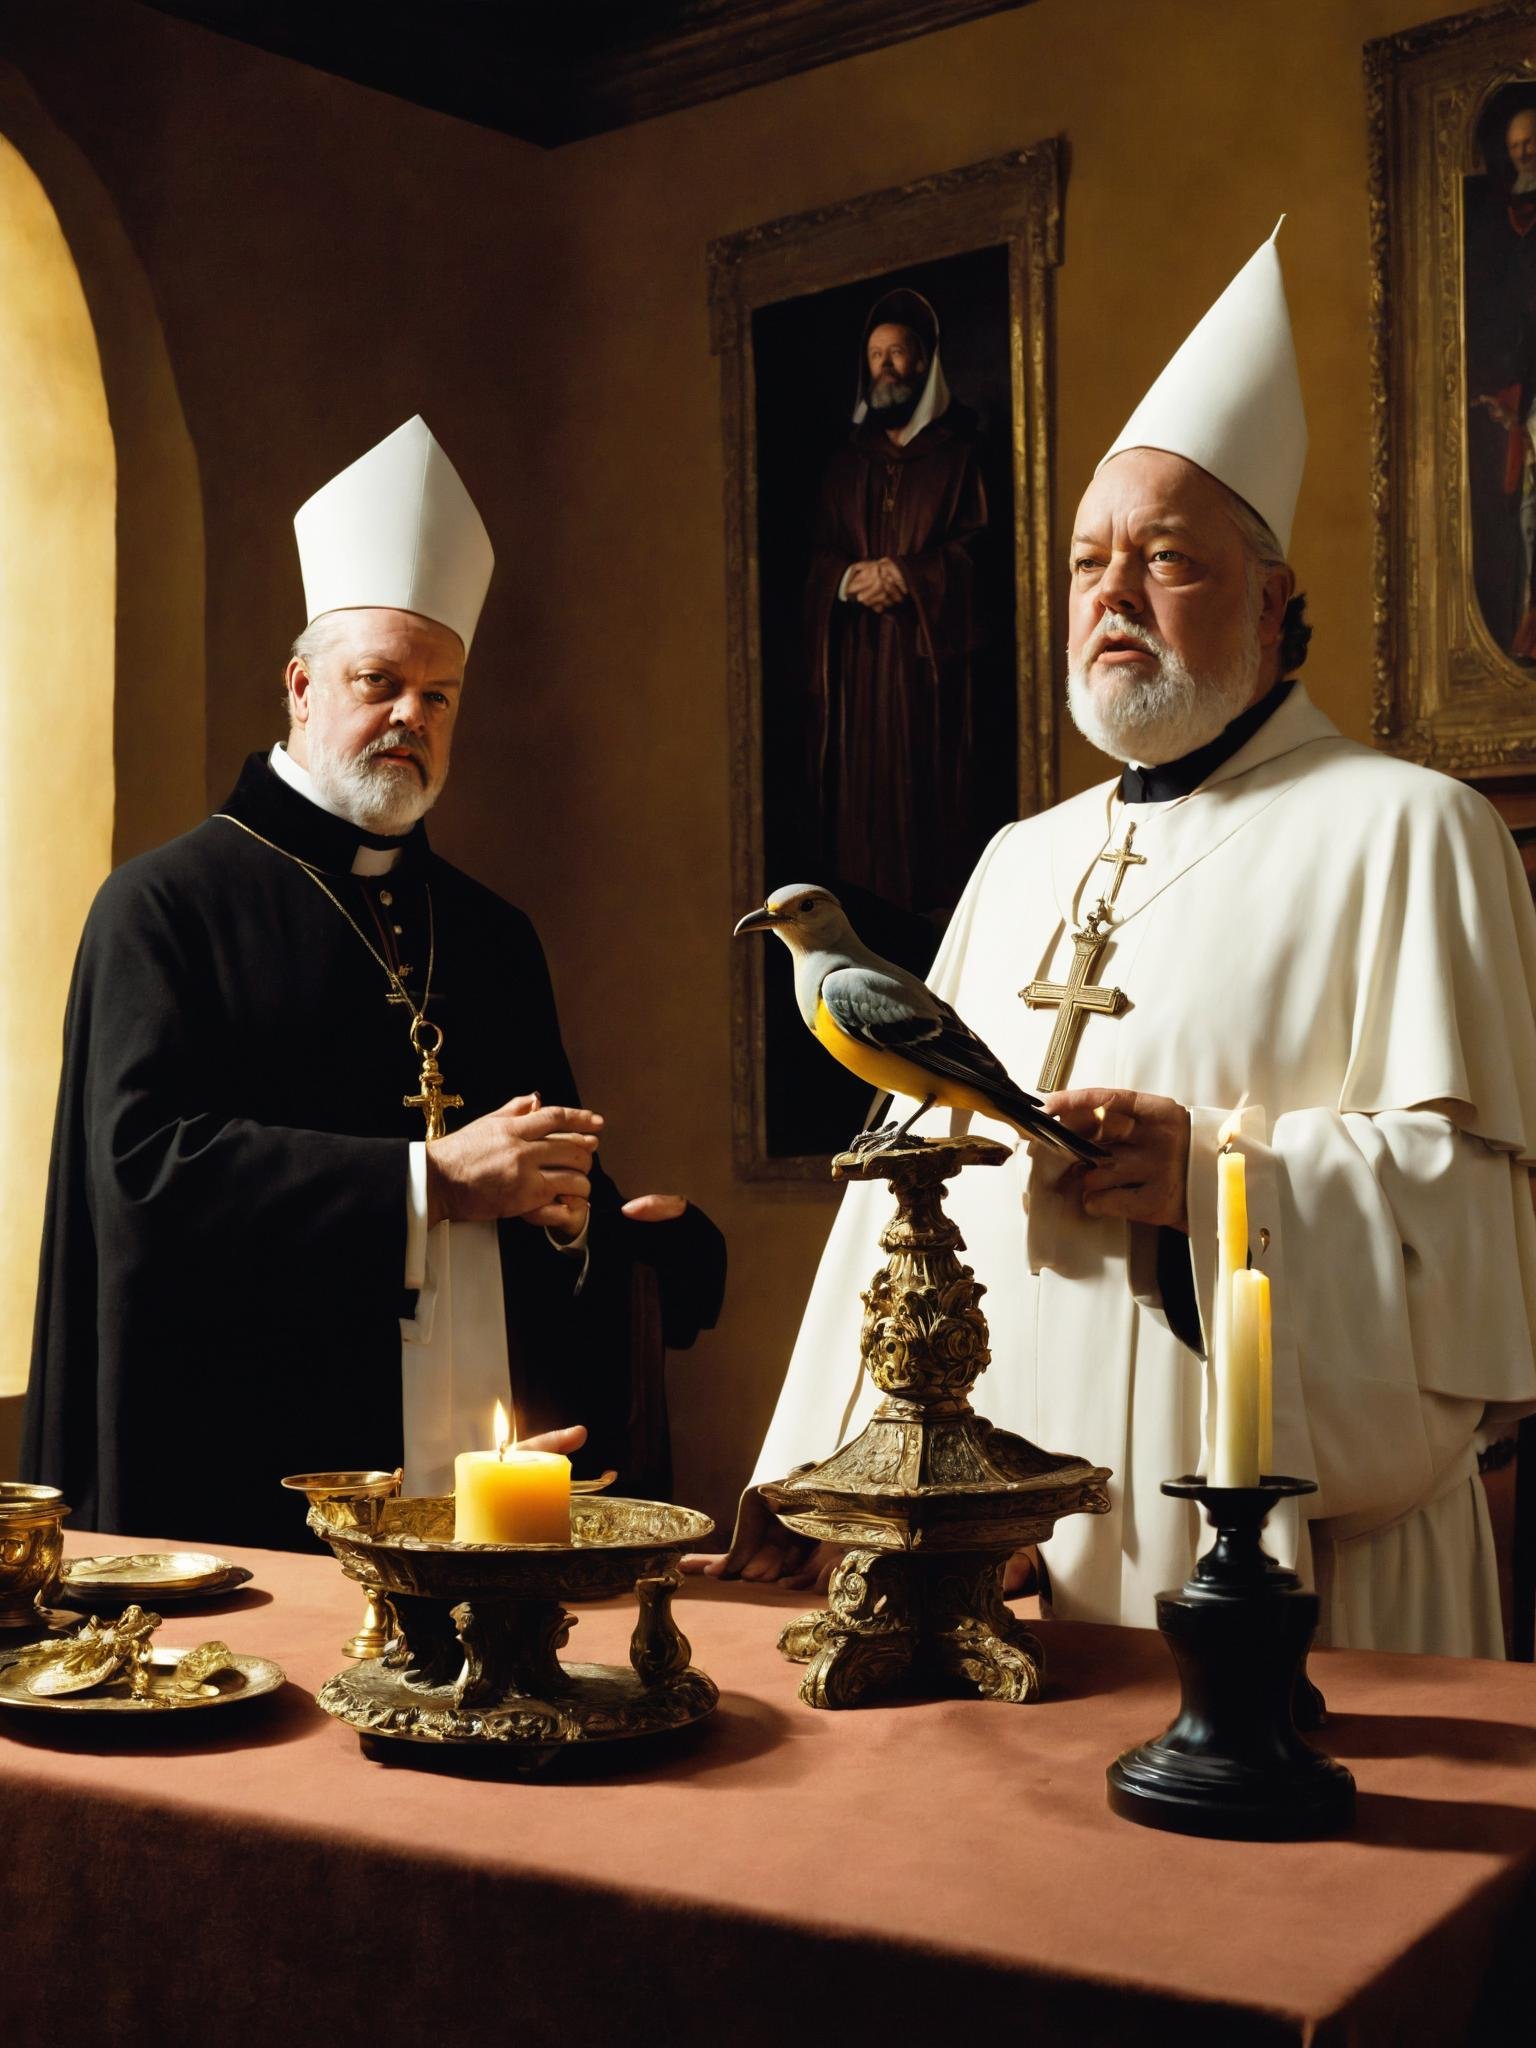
(891, 1030)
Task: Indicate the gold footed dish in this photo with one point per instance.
(475, 1669)
(929, 1501)
(354, 1499)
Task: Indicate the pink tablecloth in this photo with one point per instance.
(907, 1874)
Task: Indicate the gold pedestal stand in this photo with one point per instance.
(930, 1500)
(475, 1669)
(354, 1499)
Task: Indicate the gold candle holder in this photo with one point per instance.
(354, 1499)
(475, 1668)
(31, 1553)
(929, 1501)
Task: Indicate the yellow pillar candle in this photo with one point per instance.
(1234, 1431)
(511, 1496)
(1237, 1415)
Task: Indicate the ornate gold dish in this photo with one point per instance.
(475, 1666)
(31, 1547)
(239, 1679)
(929, 1500)
(159, 1575)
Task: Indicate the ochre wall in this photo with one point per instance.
(326, 261)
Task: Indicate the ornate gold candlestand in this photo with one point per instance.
(930, 1500)
(475, 1667)
(355, 1498)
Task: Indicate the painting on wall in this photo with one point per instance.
(884, 370)
(1453, 170)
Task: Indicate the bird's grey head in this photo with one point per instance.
(808, 918)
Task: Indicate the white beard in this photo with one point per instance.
(377, 796)
(1168, 714)
(1525, 181)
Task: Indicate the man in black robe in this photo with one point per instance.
(234, 1207)
(892, 625)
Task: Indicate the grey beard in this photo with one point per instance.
(1167, 715)
(377, 796)
(1525, 181)
(883, 396)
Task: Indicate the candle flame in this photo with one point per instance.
(1233, 1124)
(500, 1431)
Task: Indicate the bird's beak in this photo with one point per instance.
(763, 920)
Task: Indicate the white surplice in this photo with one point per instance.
(1350, 941)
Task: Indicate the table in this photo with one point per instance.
(923, 1872)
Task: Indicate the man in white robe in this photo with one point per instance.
(1343, 939)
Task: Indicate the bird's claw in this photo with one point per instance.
(868, 1142)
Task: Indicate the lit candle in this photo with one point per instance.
(511, 1496)
(1235, 1428)
(1238, 1414)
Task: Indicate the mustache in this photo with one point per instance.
(396, 743)
(1112, 628)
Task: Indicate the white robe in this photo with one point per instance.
(1351, 941)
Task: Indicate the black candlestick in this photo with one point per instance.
(1233, 1764)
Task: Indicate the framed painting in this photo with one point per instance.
(1452, 114)
(884, 366)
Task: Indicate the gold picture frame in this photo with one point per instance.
(1454, 453)
(1010, 205)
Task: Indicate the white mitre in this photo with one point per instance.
(1230, 399)
(396, 529)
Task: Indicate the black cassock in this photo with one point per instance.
(224, 1247)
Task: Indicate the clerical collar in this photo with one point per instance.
(375, 854)
(1177, 778)
(277, 805)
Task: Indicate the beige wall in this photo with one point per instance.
(325, 261)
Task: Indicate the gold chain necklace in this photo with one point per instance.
(432, 1099)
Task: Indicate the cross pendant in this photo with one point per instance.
(1075, 999)
(432, 1101)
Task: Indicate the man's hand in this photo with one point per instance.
(762, 1549)
(521, 1160)
(564, 1440)
(1147, 1137)
(868, 586)
(656, 1208)
(892, 582)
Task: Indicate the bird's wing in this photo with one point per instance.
(880, 1010)
(905, 1017)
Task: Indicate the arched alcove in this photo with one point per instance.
(107, 758)
(58, 576)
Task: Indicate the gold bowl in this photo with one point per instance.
(31, 1550)
(476, 1665)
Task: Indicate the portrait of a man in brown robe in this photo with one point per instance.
(891, 619)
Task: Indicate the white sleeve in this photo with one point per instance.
(416, 1217)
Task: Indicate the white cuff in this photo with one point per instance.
(575, 1246)
(416, 1217)
(842, 588)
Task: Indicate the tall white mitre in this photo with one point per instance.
(1230, 399)
(397, 529)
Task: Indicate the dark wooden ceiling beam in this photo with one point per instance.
(554, 73)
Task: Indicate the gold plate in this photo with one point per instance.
(148, 1574)
(244, 1678)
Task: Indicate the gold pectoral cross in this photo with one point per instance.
(431, 1101)
(1078, 997)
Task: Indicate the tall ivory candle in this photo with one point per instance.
(1237, 1417)
(1266, 1376)
(511, 1496)
(1231, 1258)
